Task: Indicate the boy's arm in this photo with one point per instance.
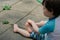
(37, 29)
(33, 25)
(41, 23)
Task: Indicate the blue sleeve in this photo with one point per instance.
(48, 27)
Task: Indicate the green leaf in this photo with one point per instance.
(6, 7)
(5, 22)
(40, 1)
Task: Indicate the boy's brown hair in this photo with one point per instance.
(52, 5)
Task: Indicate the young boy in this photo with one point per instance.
(38, 30)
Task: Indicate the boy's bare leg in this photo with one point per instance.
(21, 31)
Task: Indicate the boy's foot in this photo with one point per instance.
(16, 28)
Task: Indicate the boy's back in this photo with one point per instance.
(57, 29)
(56, 34)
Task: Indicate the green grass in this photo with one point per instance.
(6, 7)
(5, 22)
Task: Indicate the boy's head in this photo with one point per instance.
(51, 8)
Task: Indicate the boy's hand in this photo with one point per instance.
(29, 23)
(33, 25)
(28, 26)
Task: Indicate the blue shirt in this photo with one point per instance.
(47, 28)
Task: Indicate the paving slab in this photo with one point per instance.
(36, 15)
(18, 14)
(25, 5)
(30, 1)
(1, 8)
(7, 2)
(4, 28)
(10, 35)
(10, 2)
(12, 15)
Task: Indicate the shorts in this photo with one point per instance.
(36, 36)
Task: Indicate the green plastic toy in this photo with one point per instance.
(6, 7)
(40, 1)
(5, 22)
